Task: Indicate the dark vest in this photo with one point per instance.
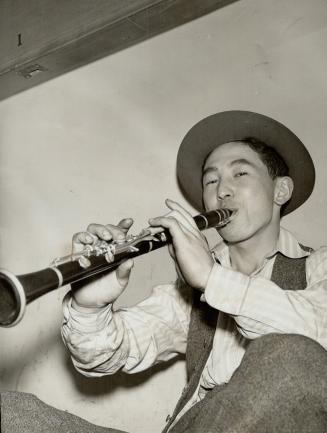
(287, 273)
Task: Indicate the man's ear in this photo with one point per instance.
(283, 190)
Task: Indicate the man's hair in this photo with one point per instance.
(269, 156)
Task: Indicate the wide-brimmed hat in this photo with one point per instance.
(229, 126)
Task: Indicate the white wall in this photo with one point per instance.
(99, 144)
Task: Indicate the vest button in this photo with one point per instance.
(168, 418)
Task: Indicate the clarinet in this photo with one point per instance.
(97, 259)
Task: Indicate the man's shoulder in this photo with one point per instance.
(318, 256)
(290, 246)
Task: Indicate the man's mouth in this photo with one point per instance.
(234, 212)
(232, 216)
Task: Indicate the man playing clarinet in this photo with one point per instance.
(249, 315)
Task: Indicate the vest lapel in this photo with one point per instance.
(289, 274)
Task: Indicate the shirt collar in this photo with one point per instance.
(286, 245)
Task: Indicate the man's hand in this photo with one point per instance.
(189, 246)
(106, 289)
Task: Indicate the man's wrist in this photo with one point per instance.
(87, 308)
(226, 289)
(207, 273)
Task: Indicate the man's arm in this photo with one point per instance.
(132, 339)
(259, 306)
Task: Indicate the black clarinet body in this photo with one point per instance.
(17, 291)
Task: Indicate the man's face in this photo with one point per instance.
(234, 177)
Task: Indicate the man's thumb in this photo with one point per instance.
(123, 271)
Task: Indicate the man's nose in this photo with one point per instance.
(224, 190)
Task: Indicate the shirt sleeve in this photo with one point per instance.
(260, 306)
(132, 339)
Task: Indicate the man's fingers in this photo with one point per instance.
(172, 224)
(80, 239)
(184, 222)
(83, 238)
(110, 232)
(96, 232)
(100, 231)
(125, 224)
(174, 206)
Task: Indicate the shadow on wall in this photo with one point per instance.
(107, 384)
(12, 369)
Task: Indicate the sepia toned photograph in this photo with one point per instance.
(163, 244)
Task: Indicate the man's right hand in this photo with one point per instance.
(104, 289)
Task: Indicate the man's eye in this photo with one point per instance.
(241, 173)
(208, 182)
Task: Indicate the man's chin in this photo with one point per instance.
(227, 233)
(231, 235)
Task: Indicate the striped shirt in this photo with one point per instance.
(135, 338)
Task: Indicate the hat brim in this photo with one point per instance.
(229, 126)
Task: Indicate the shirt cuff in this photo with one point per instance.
(89, 321)
(226, 289)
